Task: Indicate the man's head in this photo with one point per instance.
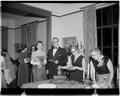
(55, 42)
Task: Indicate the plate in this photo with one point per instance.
(46, 86)
(95, 86)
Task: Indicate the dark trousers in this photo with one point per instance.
(50, 76)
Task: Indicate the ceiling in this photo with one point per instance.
(59, 9)
(18, 9)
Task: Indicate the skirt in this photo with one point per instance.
(38, 74)
(103, 79)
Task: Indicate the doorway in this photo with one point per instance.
(29, 11)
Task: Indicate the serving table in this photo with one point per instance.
(58, 84)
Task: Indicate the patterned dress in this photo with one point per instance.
(77, 75)
(22, 70)
(102, 72)
(10, 67)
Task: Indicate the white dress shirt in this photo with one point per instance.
(54, 51)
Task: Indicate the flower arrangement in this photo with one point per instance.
(77, 44)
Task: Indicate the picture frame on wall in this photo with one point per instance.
(68, 41)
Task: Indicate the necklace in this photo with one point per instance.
(100, 61)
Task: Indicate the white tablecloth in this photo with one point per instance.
(65, 84)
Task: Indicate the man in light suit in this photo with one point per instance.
(56, 56)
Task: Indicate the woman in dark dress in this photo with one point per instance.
(101, 69)
(77, 68)
(30, 66)
(23, 68)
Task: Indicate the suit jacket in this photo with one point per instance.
(60, 55)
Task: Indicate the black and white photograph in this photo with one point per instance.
(60, 47)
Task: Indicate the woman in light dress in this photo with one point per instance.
(3, 67)
(38, 60)
(9, 71)
(9, 65)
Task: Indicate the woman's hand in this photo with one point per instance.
(56, 61)
(75, 68)
(109, 85)
(44, 62)
(25, 60)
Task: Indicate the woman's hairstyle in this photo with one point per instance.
(39, 42)
(76, 47)
(23, 46)
(31, 47)
(4, 52)
(97, 50)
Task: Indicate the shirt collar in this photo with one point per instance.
(56, 47)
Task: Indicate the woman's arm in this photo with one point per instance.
(110, 68)
(83, 64)
(3, 65)
(45, 61)
(92, 72)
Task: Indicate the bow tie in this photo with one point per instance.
(55, 47)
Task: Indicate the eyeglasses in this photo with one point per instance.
(54, 41)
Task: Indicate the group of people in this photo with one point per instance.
(32, 65)
(39, 65)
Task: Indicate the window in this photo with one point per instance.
(107, 31)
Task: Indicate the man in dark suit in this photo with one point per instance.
(56, 56)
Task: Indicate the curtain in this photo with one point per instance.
(29, 33)
(90, 33)
(89, 28)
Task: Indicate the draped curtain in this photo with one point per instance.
(29, 33)
(89, 27)
(90, 33)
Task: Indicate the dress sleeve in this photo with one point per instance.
(3, 66)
